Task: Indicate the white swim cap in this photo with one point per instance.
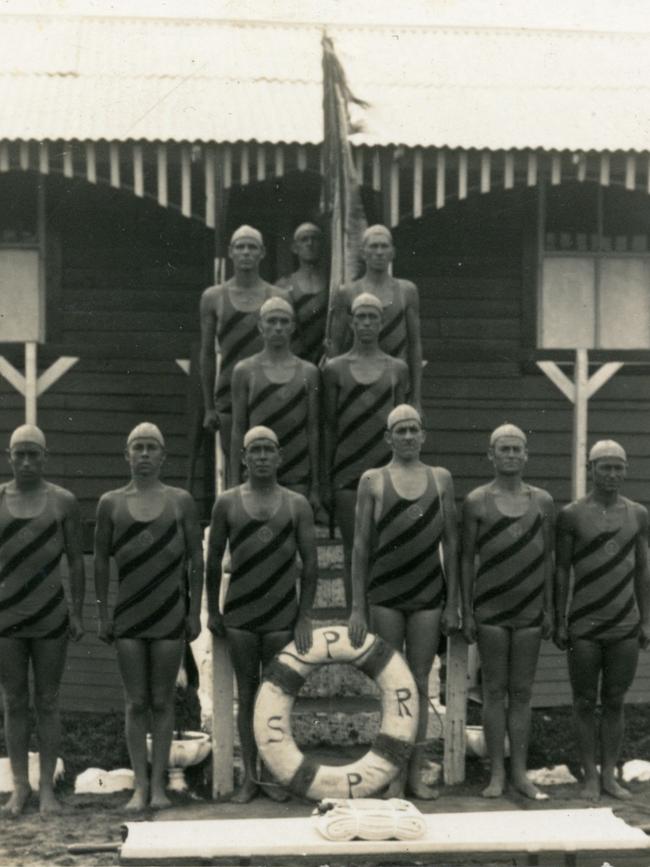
(377, 229)
(366, 299)
(276, 303)
(507, 430)
(28, 433)
(247, 232)
(146, 430)
(260, 432)
(607, 449)
(403, 412)
(306, 229)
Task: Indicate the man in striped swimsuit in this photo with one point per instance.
(507, 601)
(39, 523)
(361, 387)
(153, 533)
(277, 389)
(307, 291)
(400, 331)
(603, 537)
(265, 525)
(407, 510)
(229, 317)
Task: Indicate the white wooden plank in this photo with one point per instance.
(23, 155)
(417, 182)
(486, 165)
(114, 163)
(579, 449)
(509, 170)
(68, 168)
(31, 380)
(556, 169)
(13, 376)
(440, 179)
(54, 372)
(91, 162)
(186, 181)
(559, 378)
(456, 705)
(630, 172)
(222, 723)
(531, 169)
(161, 166)
(604, 373)
(138, 170)
(604, 170)
(210, 188)
(462, 174)
(581, 167)
(261, 163)
(244, 165)
(43, 158)
(279, 161)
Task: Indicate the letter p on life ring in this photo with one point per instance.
(281, 683)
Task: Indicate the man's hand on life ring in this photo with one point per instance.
(450, 621)
(357, 628)
(302, 634)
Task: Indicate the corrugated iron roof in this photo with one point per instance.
(111, 78)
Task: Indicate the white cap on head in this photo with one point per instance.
(260, 432)
(274, 304)
(306, 229)
(28, 433)
(377, 229)
(366, 299)
(247, 232)
(403, 412)
(607, 449)
(507, 430)
(146, 430)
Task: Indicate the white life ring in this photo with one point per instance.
(389, 751)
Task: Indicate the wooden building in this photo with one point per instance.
(518, 194)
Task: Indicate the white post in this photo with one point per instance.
(455, 710)
(579, 449)
(31, 382)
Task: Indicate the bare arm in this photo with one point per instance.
(207, 358)
(73, 542)
(414, 343)
(306, 540)
(642, 577)
(338, 323)
(363, 519)
(548, 530)
(216, 547)
(239, 390)
(402, 385)
(103, 544)
(467, 570)
(194, 555)
(450, 616)
(313, 434)
(565, 540)
(330, 397)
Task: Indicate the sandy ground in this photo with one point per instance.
(90, 819)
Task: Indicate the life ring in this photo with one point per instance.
(281, 682)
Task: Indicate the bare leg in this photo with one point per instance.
(246, 652)
(494, 651)
(225, 430)
(14, 680)
(48, 663)
(344, 508)
(133, 662)
(164, 661)
(619, 667)
(585, 662)
(272, 642)
(524, 651)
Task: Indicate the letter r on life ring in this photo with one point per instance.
(403, 694)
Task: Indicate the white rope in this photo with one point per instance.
(369, 819)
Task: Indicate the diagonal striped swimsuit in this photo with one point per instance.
(393, 335)
(406, 572)
(32, 601)
(509, 589)
(150, 556)
(311, 318)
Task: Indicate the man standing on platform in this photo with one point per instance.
(361, 387)
(405, 529)
(307, 291)
(266, 525)
(507, 602)
(229, 316)
(39, 523)
(604, 537)
(276, 389)
(152, 531)
(400, 332)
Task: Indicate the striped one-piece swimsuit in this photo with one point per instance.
(361, 414)
(311, 318)
(603, 606)
(282, 406)
(32, 601)
(393, 338)
(262, 594)
(509, 589)
(150, 557)
(239, 337)
(406, 571)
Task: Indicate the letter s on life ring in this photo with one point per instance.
(282, 681)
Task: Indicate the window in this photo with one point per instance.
(595, 269)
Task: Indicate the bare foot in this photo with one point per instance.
(524, 786)
(16, 803)
(245, 793)
(420, 790)
(615, 789)
(159, 801)
(271, 788)
(49, 804)
(494, 789)
(394, 789)
(590, 789)
(138, 801)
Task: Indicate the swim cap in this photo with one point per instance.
(366, 299)
(403, 412)
(247, 232)
(607, 449)
(260, 432)
(276, 303)
(306, 229)
(507, 430)
(377, 229)
(146, 430)
(28, 433)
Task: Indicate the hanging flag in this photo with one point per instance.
(342, 203)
